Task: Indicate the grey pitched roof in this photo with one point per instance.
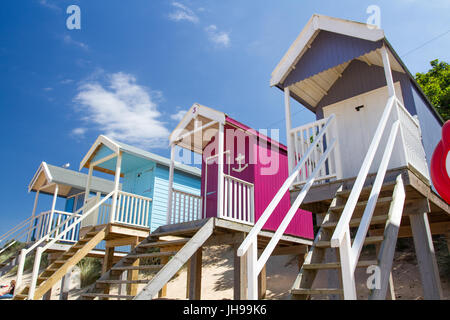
(75, 179)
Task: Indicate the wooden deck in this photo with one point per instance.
(419, 198)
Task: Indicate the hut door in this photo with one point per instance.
(357, 120)
(210, 206)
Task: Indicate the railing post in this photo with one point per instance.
(171, 172)
(252, 259)
(290, 145)
(347, 266)
(35, 274)
(220, 177)
(387, 71)
(20, 268)
(50, 220)
(116, 188)
(337, 151)
(32, 215)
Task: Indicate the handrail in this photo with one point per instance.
(346, 216)
(238, 180)
(349, 253)
(294, 208)
(280, 194)
(9, 245)
(40, 250)
(80, 218)
(249, 245)
(134, 195)
(38, 242)
(15, 228)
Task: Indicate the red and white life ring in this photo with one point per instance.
(440, 164)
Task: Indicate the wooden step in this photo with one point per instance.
(175, 232)
(148, 267)
(21, 296)
(361, 204)
(389, 186)
(369, 240)
(122, 281)
(337, 265)
(356, 222)
(164, 243)
(104, 295)
(151, 255)
(317, 291)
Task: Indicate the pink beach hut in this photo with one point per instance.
(240, 187)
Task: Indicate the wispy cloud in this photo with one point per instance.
(122, 109)
(50, 5)
(78, 132)
(66, 81)
(182, 12)
(179, 115)
(70, 41)
(219, 38)
(48, 89)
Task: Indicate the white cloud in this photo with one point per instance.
(123, 110)
(49, 5)
(179, 115)
(182, 12)
(220, 38)
(48, 89)
(68, 40)
(79, 132)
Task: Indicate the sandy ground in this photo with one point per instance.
(217, 277)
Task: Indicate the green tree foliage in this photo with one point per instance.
(436, 85)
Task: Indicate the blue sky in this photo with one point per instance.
(149, 60)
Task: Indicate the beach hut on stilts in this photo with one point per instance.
(363, 167)
(242, 170)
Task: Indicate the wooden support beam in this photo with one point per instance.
(121, 242)
(426, 258)
(107, 264)
(436, 228)
(195, 276)
(262, 283)
(133, 274)
(239, 270)
(50, 258)
(65, 286)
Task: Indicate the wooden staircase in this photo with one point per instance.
(55, 271)
(316, 258)
(8, 264)
(158, 259)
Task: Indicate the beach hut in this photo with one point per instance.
(112, 222)
(242, 170)
(363, 166)
(253, 168)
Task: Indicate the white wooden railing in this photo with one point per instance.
(185, 207)
(250, 244)
(48, 221)
(132, 210)
(349, 253)
(71, 223)
(239, 203)
(304, 137)
(16, 233)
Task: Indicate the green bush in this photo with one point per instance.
(90, 270)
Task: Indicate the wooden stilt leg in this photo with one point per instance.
(262, 283)
(426, 258)
(195, 276)
(133, 274)
(107, 264)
